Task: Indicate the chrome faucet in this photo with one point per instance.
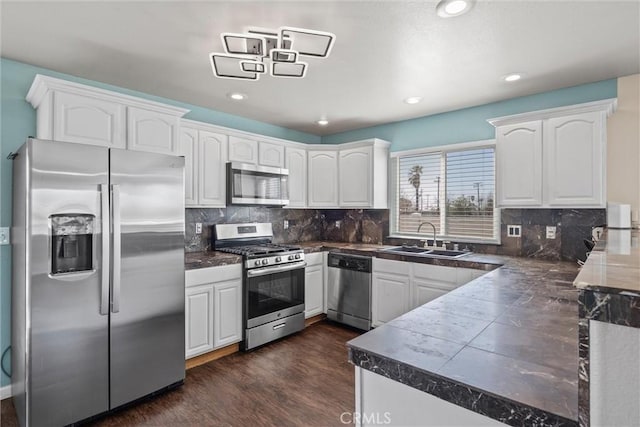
(434, 231)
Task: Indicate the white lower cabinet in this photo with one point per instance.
(391, 292)
(213, 308)
(198, 314)
(314, 285)
(400, 286)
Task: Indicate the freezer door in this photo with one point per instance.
(147, 295)
(67, 347)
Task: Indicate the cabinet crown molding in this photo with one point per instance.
(42, 85)
(607, 106)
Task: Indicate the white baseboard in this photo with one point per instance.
(5, 392)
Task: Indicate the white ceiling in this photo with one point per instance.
(384, 52)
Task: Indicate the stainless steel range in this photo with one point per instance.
(273, 281)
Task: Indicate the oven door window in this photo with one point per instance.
(273, 292)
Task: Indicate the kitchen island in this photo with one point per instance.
(500, 349)
(609, 331)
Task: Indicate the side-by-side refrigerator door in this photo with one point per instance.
(147, 301)
(68, 356)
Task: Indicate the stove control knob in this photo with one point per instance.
(258, 262)
(278, 259)
(265, 262)
(297, 256)
(290, 257)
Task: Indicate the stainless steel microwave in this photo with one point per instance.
(249, 184)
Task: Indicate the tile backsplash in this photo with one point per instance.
(572, 226)
(372, 226)
(340, 225)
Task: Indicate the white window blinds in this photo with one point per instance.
(453, 189)
(470, 189)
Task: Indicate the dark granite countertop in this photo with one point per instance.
(193, 260)
(504, 345)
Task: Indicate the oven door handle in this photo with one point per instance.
(277, 269)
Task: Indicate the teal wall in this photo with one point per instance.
(18, 121)
(470, 124)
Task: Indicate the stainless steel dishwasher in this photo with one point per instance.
(349, 290)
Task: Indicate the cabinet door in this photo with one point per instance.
(212, 155)
(270, 154)
(88, 120)
(323, 179)
(424, 293)
(519, 164)
(356, 179)
(297, 165)
(574, 154)
(198, 320)
(188, 148)
(152, 131)
(390, 297)
(227, 324)
(313, 290)
(243, 150)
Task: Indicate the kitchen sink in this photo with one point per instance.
(408, 249)
(434, 253)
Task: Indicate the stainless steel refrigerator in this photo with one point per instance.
(98, 279)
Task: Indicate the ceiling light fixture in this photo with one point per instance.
(514, 77)
(323, 122)
(451, 8)
(237, 96)
(246, 55)
(413, 100)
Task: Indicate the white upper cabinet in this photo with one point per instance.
(519, 164)
(296, 163)
(553, 158)
(189, 148)
(84, 119)
(323, 178)
(576, 141)
(212, 158)
(358, 179)
(74, 112)
(355, 165)
(243, 150)
(271, 154)
(205, 155)
(152, 131)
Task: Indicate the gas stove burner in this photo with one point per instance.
(259, 250)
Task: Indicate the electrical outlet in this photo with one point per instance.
(5, 236)
(338, 224)
(514, 230)
(286, 224)
(551, 232)
(198, 228)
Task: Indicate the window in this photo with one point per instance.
(451, 187)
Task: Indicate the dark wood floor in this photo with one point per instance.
(301, 380)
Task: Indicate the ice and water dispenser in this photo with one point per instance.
(71, 243)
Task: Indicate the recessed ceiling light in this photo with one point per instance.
(413, 100)
(323, 122)
(451, 8)
(237, 96)
(512, 77)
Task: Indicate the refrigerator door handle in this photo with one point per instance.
(116, 260)
(104, 283)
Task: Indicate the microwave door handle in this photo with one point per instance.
(105, 236)
(115, 290)
(278, 269)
